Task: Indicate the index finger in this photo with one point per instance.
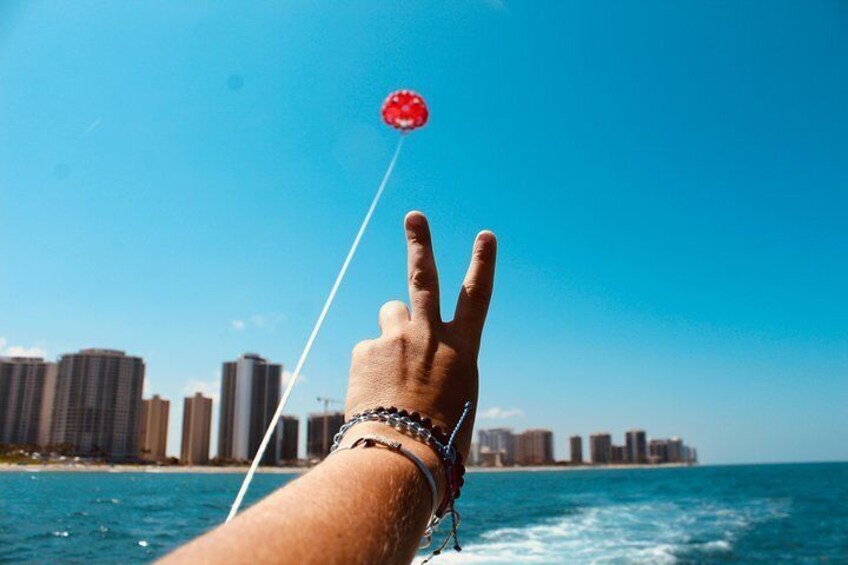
(476, 292)
(422, 274)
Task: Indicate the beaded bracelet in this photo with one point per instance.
(422, 429)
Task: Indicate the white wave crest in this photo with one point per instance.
(661, 533)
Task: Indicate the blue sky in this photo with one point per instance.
(668, 182)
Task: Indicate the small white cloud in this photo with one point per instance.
(497, 413)
(287, 377)
(210, 389)
(20, 351)
(266, 322)
(17, 351)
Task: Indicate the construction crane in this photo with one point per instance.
(327, 402)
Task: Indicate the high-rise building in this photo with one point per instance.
(153, 441)
(497, 444)
(534, 447)
(618, 454)
(320, 430)
(689, 455)
(576, 444)
(692, 456)
(658, 451)
(98, 403)
(250, 391)
(600, 447)
(197, 426)
(675, 450)
(637, 447)
(288, 431)
(518, 450)
(27, 388)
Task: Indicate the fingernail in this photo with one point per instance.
(486, 237)
(415, 219)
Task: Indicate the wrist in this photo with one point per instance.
(420, 450)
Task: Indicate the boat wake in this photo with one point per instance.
(625, 533)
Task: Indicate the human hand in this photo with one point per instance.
(421, 363)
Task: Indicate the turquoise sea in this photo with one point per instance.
(794, 513)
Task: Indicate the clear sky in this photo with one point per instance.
(668, 182)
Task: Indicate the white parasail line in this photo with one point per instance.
(329, 302)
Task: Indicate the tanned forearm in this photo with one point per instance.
(358, 506)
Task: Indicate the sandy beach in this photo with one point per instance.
(175, 469)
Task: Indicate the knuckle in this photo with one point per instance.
(482, 254)
(423, 337)
(422, 278)
(396, 342)
(419, 236)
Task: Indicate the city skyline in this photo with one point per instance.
(29, 405)
(502, 447)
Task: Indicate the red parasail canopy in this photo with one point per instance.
(405, 110)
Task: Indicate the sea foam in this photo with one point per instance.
(657, 533)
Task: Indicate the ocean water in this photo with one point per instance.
(724, 514)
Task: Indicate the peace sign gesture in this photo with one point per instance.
(421, 363)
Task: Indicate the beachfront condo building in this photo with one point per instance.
(618, 454)
(600, 447)
(320, 429)
(154, 428)
(679, 452)
(97, 407)
(658, 451)
(534, 447)
(576, 445)
(250, 391)
(197, 426)
(288, 432)
(636, 447)
(691, 455)
(675, 450)
(497, 446)
(27, 388)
